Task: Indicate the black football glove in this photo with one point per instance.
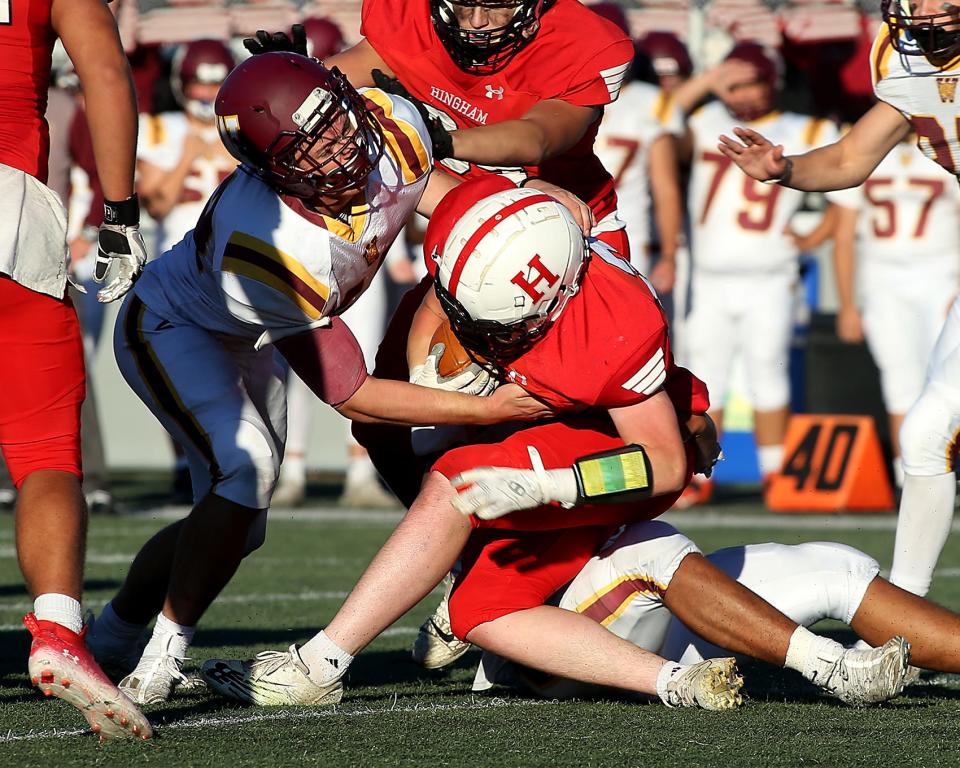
(267, 42)
(119, 242)
(439, 136)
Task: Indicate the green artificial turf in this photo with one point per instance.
(395, 714)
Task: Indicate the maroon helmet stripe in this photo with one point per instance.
(484, 229)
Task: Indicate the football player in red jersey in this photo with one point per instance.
(521, 286)
(42, 376)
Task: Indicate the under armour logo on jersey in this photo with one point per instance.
(494, 93)
(947, 87)
(650, 377)
(530, 282)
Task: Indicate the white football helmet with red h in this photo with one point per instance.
(507, 269)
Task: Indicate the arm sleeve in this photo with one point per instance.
(328, 360)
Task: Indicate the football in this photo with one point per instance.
(455, 358)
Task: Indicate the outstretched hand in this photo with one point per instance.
(754, 154)
(270, 42)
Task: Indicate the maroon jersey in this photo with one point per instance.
(26, 42)
(576, 56)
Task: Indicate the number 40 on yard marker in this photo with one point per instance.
(831, 464)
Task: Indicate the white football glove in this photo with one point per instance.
(492, 492)
(472, 381)
(119, 242)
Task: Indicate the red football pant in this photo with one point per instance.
(42, 382)
(504, 573)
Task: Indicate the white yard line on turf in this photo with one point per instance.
(283, 714)
(686, 519)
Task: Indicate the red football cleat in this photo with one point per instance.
(61, 665)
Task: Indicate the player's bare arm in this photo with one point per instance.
(849, 321)
(89, 33)
(385, 401)
(845, 163)
(357, 63)
(429, 316)
(667, 209)
(547, 129)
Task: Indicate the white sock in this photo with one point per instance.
(811, 655)
(62, 609)
(326, 660)
(169, 637)
(926, 512)
(667, 673)
(770, 459)
(360, 471)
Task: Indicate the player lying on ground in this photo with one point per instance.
(914, 63)
(328, 177)
(624, 586)
(521, 286)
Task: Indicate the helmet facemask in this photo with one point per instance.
(489, 339)
(936, 35)
(486, 51)
(335, 148)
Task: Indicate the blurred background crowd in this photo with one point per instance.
(813, 60)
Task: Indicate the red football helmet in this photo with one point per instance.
(324, 37)
(302, 127)
(667, 53)
(935, 34)
(485, 51)
(202, 61)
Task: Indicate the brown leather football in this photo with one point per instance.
(455, 358)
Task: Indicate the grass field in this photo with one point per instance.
(395, 714)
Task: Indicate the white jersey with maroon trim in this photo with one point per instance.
(739, 224)
(925, 94)
(630, 125)
(909, 212)
(161, 142)
(261, 266)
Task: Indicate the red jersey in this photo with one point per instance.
(26, 42)
(576, 56)
(609, 348)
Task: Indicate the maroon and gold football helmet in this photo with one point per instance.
(207, 62)
(302, 127)
(324, 37)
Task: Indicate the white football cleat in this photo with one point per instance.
(270, 679)
(710, 684)
(154, 678)
(436, 646)
(869, 676)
